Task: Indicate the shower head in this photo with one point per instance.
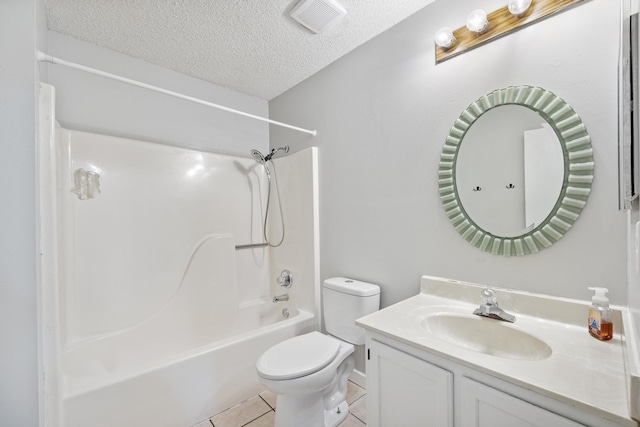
(262, 159)
(258, 157)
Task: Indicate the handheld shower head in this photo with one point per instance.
(264, 160)
(261, 160)
(258, 157)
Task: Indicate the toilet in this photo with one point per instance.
(309, 373)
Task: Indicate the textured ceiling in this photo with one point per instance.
(252, 46)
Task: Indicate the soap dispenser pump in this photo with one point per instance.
(600, 324)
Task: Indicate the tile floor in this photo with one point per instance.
(259, 411)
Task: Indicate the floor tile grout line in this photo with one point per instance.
(273, 409)
(354, 415)
(246, 424)
(265, 401)
(358, 398)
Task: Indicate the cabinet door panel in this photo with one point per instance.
(484, 406)
(404, 391)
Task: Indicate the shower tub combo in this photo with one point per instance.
(160, 294)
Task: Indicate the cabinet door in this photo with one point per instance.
(484, 406)
(404, 391)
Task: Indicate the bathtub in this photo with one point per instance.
(158, 318)
(192, 358)
(126, 380)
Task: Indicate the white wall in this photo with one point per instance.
(125, 253)
(21, 30)
(96, 104)
(383, 112)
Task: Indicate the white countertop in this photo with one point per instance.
(581, 371)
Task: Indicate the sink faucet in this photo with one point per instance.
(489, 307)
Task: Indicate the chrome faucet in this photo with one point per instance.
(283, 297)
(489, 307)
(285, 280)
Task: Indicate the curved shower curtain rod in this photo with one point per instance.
(43, 57)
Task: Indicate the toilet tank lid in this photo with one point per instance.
(351, 286)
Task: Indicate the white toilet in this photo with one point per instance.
(309, 372)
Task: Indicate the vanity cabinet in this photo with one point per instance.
(407, 387)
(431, 362)
(483, 406)
(403, 390)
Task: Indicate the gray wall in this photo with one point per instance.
(21, 30)
(96, 104)
(383, 112)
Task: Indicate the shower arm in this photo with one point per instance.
(43, 57)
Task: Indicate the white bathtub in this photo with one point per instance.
(151, 317)
(191, 359)
(163, 318)
(168, 390)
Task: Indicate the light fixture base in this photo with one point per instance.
(501, 22)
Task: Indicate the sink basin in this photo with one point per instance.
(486, 336)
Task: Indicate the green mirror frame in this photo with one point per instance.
(578, 171)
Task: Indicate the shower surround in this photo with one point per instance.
(151, 313)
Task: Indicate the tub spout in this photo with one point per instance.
(283, 297)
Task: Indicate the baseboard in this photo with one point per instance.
(359, 378)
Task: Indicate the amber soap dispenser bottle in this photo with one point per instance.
(600, 324)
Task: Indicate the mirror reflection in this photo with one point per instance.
(509, 170)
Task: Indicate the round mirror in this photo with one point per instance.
(516, 170)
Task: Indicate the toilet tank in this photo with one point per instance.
(345, 300)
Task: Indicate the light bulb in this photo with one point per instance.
(477, 21)
(445, 38)
(519, 7)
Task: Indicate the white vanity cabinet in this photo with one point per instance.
(408, 387)
(403, 390)
(484, 406)
(431, 362)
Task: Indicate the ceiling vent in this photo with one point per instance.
(318, 15)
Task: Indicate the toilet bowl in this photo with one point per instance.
(309, 373)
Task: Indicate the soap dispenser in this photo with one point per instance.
(600, 324)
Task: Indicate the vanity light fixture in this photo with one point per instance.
(477, 21)
(519, 7)
(445, 38)
(482, 27)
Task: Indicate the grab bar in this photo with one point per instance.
(252, 245)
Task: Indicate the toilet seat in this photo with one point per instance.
(298, 356)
